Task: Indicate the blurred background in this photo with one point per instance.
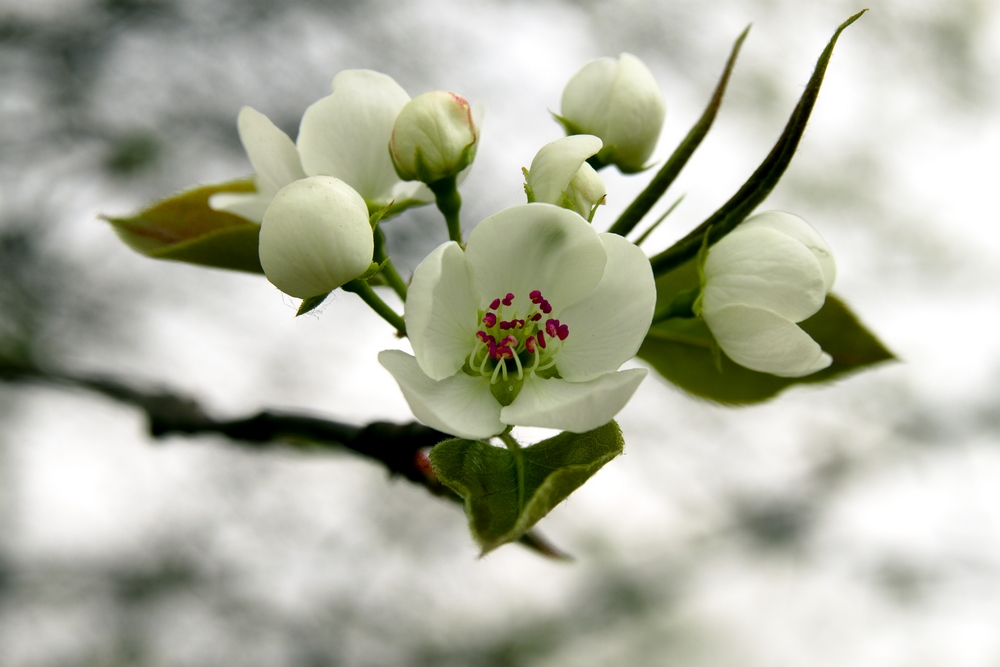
(856, 523)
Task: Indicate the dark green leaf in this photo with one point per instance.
(185, 229)
(681, 350)
(669, 172)
(506, 493)
(760, 184)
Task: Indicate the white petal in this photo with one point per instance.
(536, 246)
(636, 114)
(763, 341)
(764, 268)
(460, 405)
(315, 237)
(572, 406)
(347, 133)
(608, 326)
(800, 230)
(271, 152)
(441, 311)
(557, 162)
(586, 99)
(249, 205)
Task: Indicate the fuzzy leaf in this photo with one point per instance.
(185, 229)
(504, 497)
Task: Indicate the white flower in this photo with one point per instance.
(274, 159)
(560, 175)
(346, 135)
(434, 137)
(527, 326)
(618, 101)
(770, 272)
(315, 237)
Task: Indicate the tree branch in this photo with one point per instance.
(401, 448)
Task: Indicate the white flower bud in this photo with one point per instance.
(560, 175)
(434, 137)
(771, 272)
(315, 237)
(618, 101)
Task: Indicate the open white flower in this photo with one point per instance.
(315, 237)
(619, 101)
(771, 272)
(275, 161)
(527, 326)
(346, 135)
(560, 175)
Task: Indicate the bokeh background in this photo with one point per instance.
(856, 523)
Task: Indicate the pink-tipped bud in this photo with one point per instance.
(434, 137)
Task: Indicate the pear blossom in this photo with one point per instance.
(527, 326)
(275, 161)
(619, 101)
(771, 272)
(315, 236)
(345, 135)
(560, 175)
(434, 137)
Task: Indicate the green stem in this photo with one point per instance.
(681, 306)
(449, 202)
(389, 271)
(368, 295)
(515, 449)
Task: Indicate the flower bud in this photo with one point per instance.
(560, 175)
(315, 237)
(618, 101)
(434, 137)
(771, 272)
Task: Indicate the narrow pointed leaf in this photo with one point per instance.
(185, 229)
(504, 497)
(760, 184)
(681, 349)
(311, 304)
(669, 172)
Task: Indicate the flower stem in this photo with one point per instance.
(449, 202)
(389, 271)
(368, 295)
(515, 449)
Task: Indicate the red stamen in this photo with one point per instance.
(495, 304)
(490, 320)
(563, 332)
(493, 351)
(545, 307)
(508, 299)
(529, 344)
(536, 317)
(504, 325)
(552, 327)
(509, 340)
(541, 339)
(535, 296)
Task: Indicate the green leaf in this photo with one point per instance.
(507, 492)
(669, 172)
(311, 303)
(684, 352)
(762, 181)
(183, 228)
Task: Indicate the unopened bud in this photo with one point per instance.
(434, 137)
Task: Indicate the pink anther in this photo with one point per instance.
(505, 325)
(509, 340)
(545, 307)
(535, 296)
(563, 332)
(504, 352)
(536, 317)
(495, 304)
(493, 350)
(507, 300)
(552, 327)
(529, 344)
(490, 320)
(541, 339)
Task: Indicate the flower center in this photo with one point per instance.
(509, 346)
